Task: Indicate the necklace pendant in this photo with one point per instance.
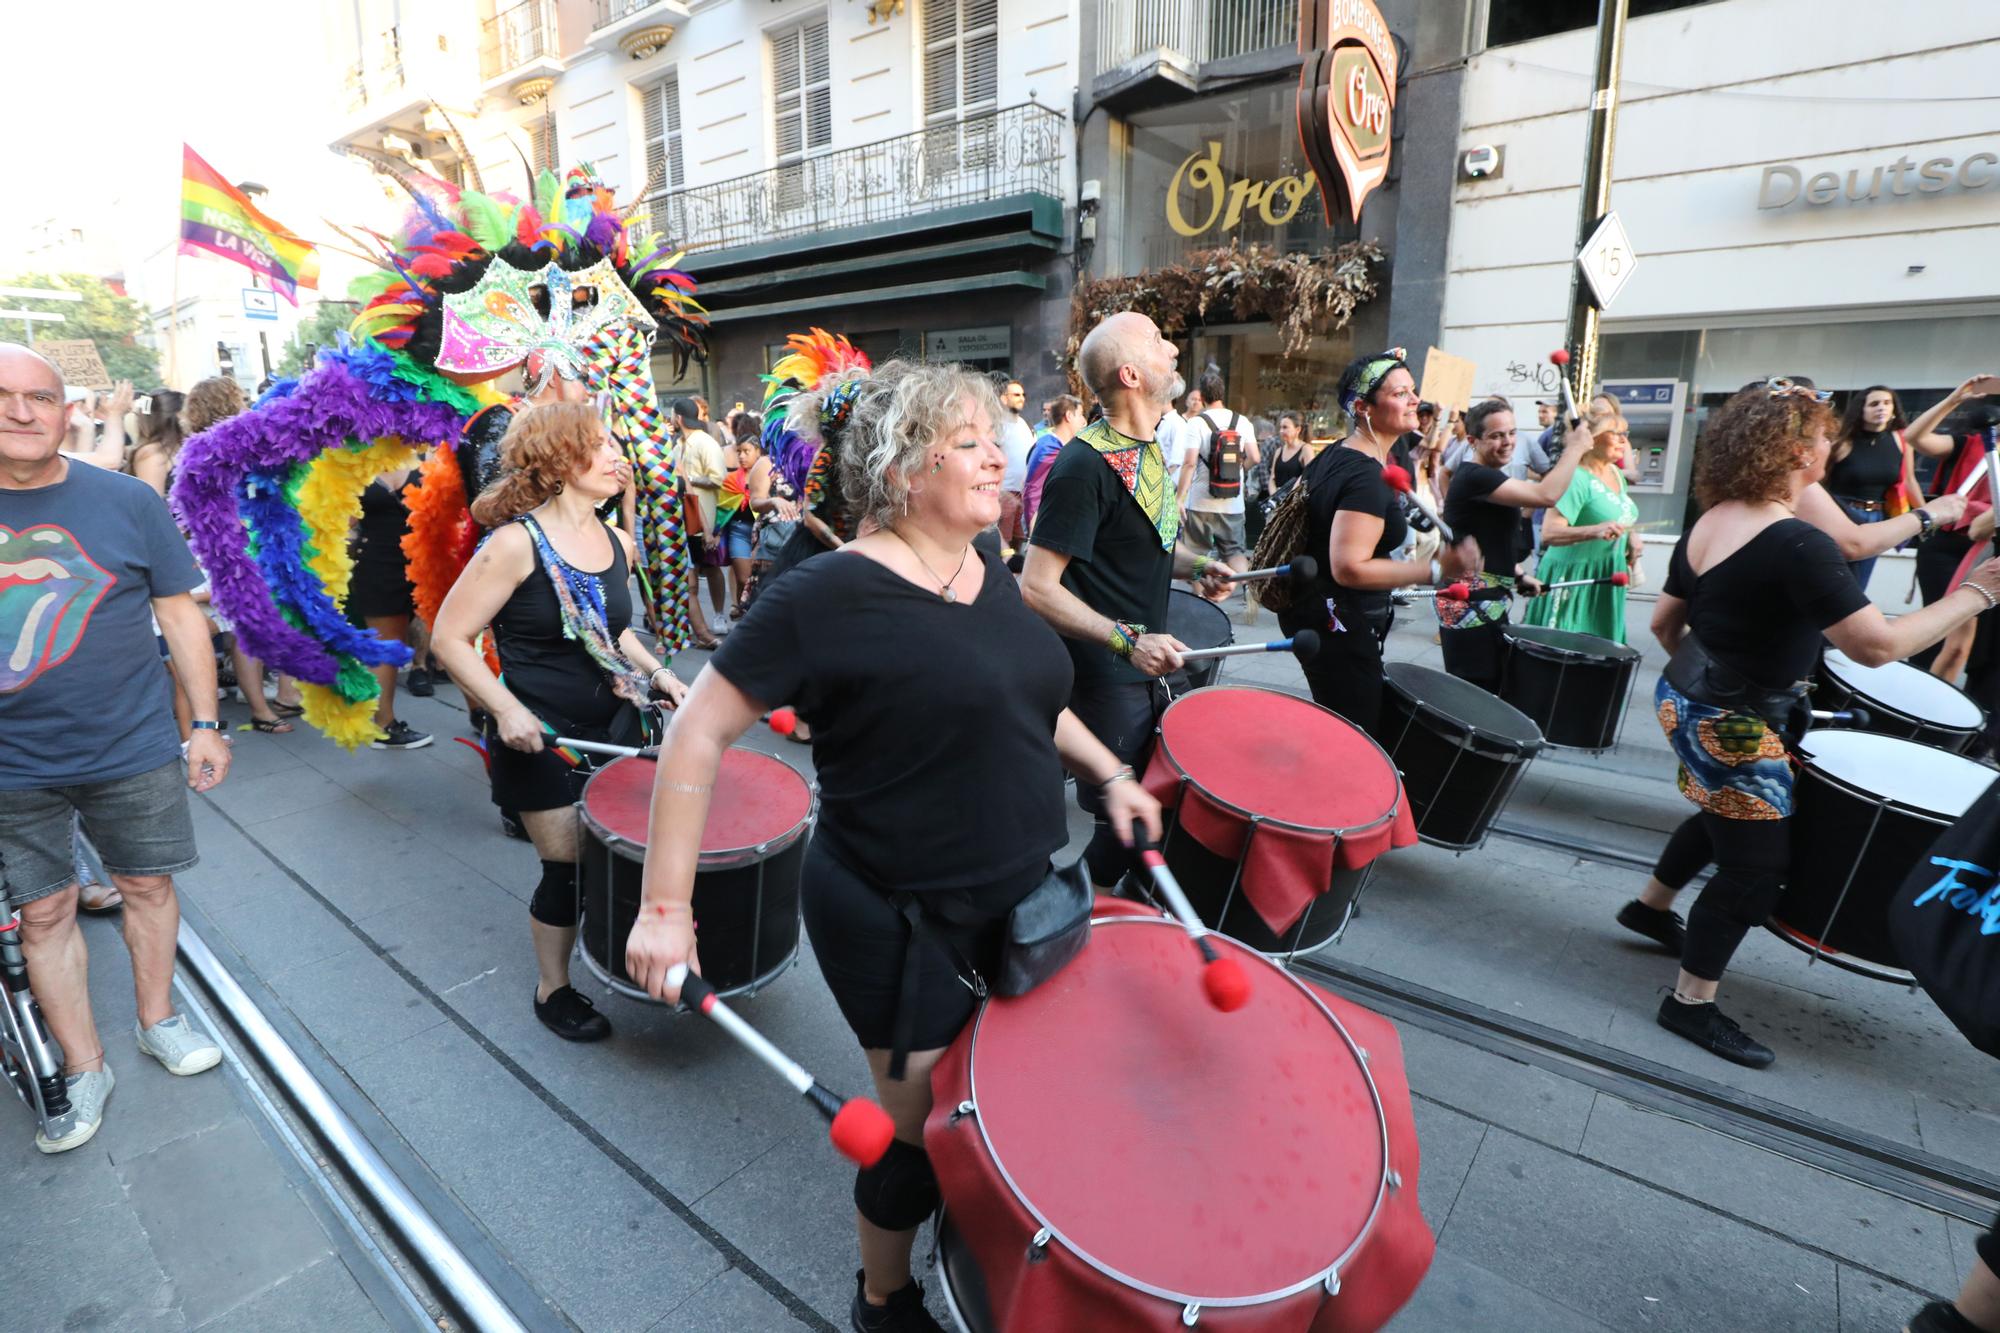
(949, 595)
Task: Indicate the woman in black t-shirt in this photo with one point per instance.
(1355, 525)
(1751, 590)
(551, 581)
(940, 733)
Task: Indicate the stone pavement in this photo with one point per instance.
(662, 1181)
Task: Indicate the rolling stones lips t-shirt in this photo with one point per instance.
(83, 694)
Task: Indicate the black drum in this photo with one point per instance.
(746, 889)
(1900, 700)
(1198, 623)
(1573, 686)
(1461, 751)
(1865, 811)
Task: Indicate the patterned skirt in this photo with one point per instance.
(1732, 764)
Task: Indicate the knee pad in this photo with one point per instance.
(557, 901)
(898, 1192)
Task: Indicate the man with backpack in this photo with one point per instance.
(1226, 451)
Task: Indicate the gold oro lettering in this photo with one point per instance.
(1213, 202)
(1200, 172)
(1294, 189)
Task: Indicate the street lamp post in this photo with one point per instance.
(1581, 337)
(257, 191)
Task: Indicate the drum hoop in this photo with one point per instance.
(625, 988)
(1873, 798)
(1125, 1279)
(721, 858)
(1551, 652)
(1854, 691)
(1387, 817)
(1520, 749)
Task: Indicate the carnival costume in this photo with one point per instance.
(805, 449)
(475, 286)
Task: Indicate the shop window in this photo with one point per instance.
(961, 80)
(1524, 20)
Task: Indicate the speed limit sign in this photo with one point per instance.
(1607, 260)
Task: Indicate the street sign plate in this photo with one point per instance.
(260, 303)
(1607, 260)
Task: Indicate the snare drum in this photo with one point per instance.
(1252, 1171)
(1278, 809)
(1198, 623)
(1461, 752)
(746, 885)
(1865, 810)
(1573, 686)
(1900, 701)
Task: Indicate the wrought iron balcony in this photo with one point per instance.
(1191, 34)
(611, 11)
(987, 156)
(516, 35)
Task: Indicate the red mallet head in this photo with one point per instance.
(785, 721)
(1560, 356)
(1620, 579)
(862, 1131)
(1227, 984)
(1458, 592)
(1397, 477)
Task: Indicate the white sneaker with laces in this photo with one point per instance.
(175, 1044)
(87, 1094)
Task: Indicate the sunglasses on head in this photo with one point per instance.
(1780, 386)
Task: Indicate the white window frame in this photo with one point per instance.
(799, 98)
(956, 42)
(664, 95)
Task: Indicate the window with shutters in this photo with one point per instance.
(664, 169)
(542, 142)
(801, 108)
(961, 80)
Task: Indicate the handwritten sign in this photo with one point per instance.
(1447, 380)
(77, 359)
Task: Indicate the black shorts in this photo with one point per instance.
(545, 780)
(379, 588)
(858, 937)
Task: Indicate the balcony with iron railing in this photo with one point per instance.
(987, 156)
(1177, 33)
(518, 35)
(614, 11)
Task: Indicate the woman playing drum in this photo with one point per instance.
(939, 734)
(1588, 535)
(1749, 593)
(552, 582)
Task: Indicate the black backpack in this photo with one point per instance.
(1945, 922)
(1225, 460)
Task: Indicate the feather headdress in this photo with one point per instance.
(814, 361)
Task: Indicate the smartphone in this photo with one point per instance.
(739, 405)
(143, 405)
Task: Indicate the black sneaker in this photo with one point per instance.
(1940, 1317)
(1661, 925)
(1714, 1031)
(420, 683)
(401, 736)
(905, 1312)
(570, 1015)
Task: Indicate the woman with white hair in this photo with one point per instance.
(937, 700)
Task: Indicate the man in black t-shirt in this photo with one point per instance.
(1485, 504)
(1103, 554)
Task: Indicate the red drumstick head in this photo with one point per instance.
(1398, 478)
(1458, 592)
(785, 721)
(1227, 984)
(862, 1131)
(1560, 356)
(1620, 579)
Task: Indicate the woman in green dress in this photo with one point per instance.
(1590, 535)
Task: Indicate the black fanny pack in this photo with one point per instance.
(1044, 931)
(1704, 678)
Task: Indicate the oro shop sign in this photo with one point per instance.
(1201, 199)
(1785, 184)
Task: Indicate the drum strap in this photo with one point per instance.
(905, 1029)
(1705, 678)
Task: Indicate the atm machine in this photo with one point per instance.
(1656, 411)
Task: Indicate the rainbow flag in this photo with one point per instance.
(219, 219)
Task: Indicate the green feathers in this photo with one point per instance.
(487, 222)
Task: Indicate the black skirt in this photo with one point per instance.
(545, 779)
(380, 588)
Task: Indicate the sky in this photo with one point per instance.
(116, 86)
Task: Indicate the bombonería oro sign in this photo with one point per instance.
(1347, 99)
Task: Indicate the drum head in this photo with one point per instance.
(1546, 642)
(758, 801)
(1197, 622)
(1465, 706)
(1911, 692)
(1205, 1157)
(1281, 758)
(1917, 777)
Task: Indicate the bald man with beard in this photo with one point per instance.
(1103, 556)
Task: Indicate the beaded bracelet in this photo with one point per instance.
(1991, 600)
(1201, 565)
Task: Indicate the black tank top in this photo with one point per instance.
(1869, 470)
(554, 676)
(1284, 471)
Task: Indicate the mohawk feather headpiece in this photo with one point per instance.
(815, 362)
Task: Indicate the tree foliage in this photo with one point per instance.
(320, 329)
(111, 321)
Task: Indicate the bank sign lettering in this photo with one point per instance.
(1346, 99)
(1784, 185)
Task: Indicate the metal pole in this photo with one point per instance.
(1581, 336)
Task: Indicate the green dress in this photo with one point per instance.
(1600, 608)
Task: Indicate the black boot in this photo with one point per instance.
(904, 1313)
(1714, 1031)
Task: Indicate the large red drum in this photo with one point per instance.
(1279, 807)
(746, 884)
(1115, 1153)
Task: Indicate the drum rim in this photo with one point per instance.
(1854, 690)
(1806, 768)
(1387, 818)
(1535, 647)
(1184, 1299)
(723, 858)
(627, 990)
(1522, 750)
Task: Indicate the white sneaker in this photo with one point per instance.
(87, 1094)
(175, 1044)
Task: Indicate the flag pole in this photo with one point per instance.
(174, 327)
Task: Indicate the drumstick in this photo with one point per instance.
(1560, 359)
(1860, 717)
(1457, 592)
(1304, 645)
(595, 747)
(1224, 979)
(1301, 568)
(1399, 482)
(860, 1129)
(1617, 580)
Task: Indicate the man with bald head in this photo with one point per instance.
(88, 559)
(1102, 555)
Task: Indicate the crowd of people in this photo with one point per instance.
(999, 605)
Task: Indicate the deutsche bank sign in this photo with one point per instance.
(1784, 185)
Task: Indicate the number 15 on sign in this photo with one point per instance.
(1607, 260)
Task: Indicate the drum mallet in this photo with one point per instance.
(861, 1130)
(1304, 645)
(1854, 717)
(784, 721)
(1560, 360)
(596, 747)
(1617, 580)
(1457, 592)
(1302, 568)
(1399, 481)
(1225, 981)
